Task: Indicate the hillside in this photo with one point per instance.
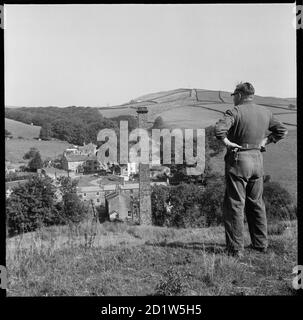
(19, 129)
(196, 108)
(16, 148)
(125, 260)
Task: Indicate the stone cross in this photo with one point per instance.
(144, 178)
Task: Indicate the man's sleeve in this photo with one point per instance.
(277, 128)
(224, 124)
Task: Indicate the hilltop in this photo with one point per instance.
(197, 108)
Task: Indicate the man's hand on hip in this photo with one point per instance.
(229, 145)
(264, 142)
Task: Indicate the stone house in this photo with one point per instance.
(92, 193)
(74, 162)
(119, 205)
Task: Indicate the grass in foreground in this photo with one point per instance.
(137, 260)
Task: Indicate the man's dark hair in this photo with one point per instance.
(246, 89)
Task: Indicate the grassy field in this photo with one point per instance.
(189, 117)
(123, 260)
(16, 148)
(280, 161)
(19, 129)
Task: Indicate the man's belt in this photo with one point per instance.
(248, 146)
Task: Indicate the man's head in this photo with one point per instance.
(243, 92)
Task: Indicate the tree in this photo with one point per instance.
(74, 211)
(177, 206)
(278, 202)
(36, 162)
(58, 162)
(31, 205)
(212, 144)
(30, 154)
(158, 123)
(8, 134)
(159, 201)
(45, 132)
(47, 162)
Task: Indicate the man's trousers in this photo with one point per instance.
(244, 189)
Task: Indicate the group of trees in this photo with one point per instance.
(35, 162)
(189, 205)
(72, 124)
(37, 203)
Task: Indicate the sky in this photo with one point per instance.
(103, 55)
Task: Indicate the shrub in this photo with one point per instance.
(158, 123)
(159, 201)
(177, 206)
(102, 212)
(36, 162)
(190, 205)
(214, 145)
(31, 205)
(278, 202)
(73, 209)
(211, 202)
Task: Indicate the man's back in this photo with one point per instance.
(249, 123)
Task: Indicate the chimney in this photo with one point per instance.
(144, 178)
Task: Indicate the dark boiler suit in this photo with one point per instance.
(246, 125)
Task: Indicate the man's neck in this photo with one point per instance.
(249, 100)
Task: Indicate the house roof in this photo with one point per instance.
(111, 195)
(79, 157)
(52, 170)
(89, 189)
(115, 195)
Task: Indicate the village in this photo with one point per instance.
(98, 182)
(115, 186)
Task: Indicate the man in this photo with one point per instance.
(245, 130)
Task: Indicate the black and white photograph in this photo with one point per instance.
(150, 150)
